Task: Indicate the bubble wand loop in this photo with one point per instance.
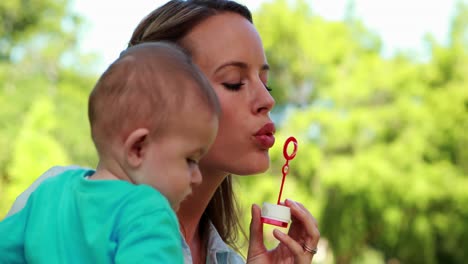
(288, 157)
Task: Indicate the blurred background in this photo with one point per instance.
(376, 92)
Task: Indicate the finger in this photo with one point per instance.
(293, 246)
(302, 214)
(290, 203)
(305, 209)
(305, 218)
(256, 245)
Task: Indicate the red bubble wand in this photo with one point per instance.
(278, 214)
(288, 157)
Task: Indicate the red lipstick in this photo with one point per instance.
(264, 136)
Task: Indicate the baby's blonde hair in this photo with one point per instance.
(144, 88)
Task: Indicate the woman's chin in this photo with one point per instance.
(252, 167)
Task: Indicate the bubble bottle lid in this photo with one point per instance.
(278, 214)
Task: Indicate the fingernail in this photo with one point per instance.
(278, 232)
(293, 203)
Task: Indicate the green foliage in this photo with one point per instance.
(34, 145)
(304, 50)
(43, 114)
(382, 160)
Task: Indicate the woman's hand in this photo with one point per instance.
(297, 246)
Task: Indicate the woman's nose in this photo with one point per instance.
(263, 101)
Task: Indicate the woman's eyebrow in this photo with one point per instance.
(241, 65)
(237, 64)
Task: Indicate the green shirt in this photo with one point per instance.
(70, 219)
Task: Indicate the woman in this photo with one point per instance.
(223, 42)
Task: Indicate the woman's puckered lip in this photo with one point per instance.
(267, 129)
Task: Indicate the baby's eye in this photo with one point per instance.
(191, 161)
(233, 86)
(268, 88)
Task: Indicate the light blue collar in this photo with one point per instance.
(217, 251)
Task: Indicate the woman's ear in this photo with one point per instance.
(135, 147)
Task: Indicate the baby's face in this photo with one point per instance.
(171, 164)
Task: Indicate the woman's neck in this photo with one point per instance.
(192, 209)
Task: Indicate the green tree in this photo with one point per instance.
(43, 93)
(382, 158)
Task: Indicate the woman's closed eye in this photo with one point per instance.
(237, 86)
(233, 86)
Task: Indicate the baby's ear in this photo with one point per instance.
(135, 147)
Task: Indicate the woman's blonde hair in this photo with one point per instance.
(172, 22)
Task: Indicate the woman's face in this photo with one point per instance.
(229, 51)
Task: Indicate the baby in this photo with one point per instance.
(153, 115)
